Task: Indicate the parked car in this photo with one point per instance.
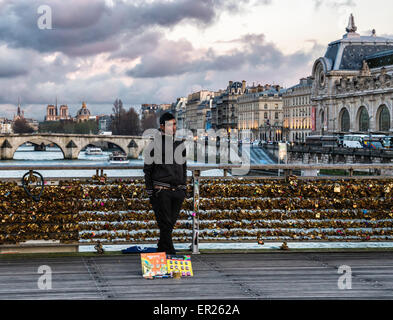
(372, 144)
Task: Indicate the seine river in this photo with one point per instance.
(26, 156)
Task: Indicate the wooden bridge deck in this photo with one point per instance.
(274, 275)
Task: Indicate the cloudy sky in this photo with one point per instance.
(153, 51)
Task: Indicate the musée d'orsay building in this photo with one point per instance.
(352, 89)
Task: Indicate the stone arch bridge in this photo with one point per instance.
(70, 144)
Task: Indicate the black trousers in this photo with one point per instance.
(166, 206)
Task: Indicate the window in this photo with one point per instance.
(363, 119)
(384, 119)
(345, 122)
(265, 115)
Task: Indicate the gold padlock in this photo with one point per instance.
(176, 274)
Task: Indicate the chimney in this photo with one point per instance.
(243, 85)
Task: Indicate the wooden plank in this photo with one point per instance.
(289, 275)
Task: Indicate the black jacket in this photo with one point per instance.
(165, 174)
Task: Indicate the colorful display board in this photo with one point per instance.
(181, 263)
(159, 265)
(154, 264)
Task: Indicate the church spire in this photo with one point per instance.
(56, 106)
(18, 112)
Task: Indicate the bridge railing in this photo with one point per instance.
(226, 208)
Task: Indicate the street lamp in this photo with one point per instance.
(369, 136)
(334, 129)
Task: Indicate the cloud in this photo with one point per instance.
(334, 3)
(14, 63)
(87, 27)
(8, 70)
(169, 69)
(98, 52)
(171, 58)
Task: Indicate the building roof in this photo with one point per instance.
(83, 111)
(304, 82)
(235, 85)
(271, 92)
(349, 52)
(204, 105)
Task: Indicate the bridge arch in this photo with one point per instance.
(97, 142)
(17, 143)
(71, 144)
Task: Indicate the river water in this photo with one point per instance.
(26, 156)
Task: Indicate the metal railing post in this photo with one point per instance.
(195, 218)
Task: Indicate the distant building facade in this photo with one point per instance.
(297, 111)
(5, 126)
(179, 110)
(224, 113)
(104, 123)
(53, 114)
(148, 109)
(260, 112)
(195, 107)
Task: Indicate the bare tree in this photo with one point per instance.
(150, 122)
(118, 112)
(125, 122)
(21, 126)
(130, 123)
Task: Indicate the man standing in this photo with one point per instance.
(166, 179)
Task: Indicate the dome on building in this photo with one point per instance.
(349, 52)
(83, 111)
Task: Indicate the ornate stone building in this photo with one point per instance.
(52, 113)
(5, 125)
(196, 109)
(352, 89)
(83, 113)
(297, 109)
(259, 110)
(224, 114)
